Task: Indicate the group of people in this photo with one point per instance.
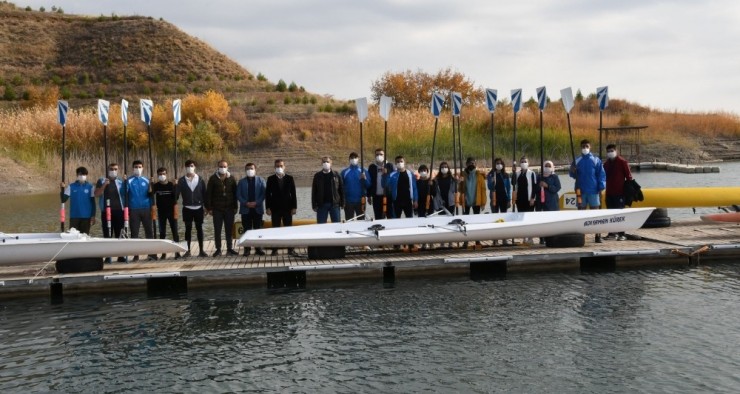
(392, 190)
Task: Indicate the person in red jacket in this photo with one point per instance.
(617, 172)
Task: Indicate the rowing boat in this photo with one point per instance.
(438, 229)
(725, 217)
(39, 247)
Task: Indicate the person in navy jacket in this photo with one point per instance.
(402, 185)
(251, 195)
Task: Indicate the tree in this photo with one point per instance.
(579, 96)
(414, 89)
(281, 86)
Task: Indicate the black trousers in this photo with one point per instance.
(378, 207)
(282, 219)
(221, 219)
(193, 215)
(116, 221)
(164, 217)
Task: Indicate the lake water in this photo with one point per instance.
(663, 330)
(649, 330)
(40, 212)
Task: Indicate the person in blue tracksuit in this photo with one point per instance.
(355, 181)
(82, 201)
(139, 190)
(250, 191)
(588, 171)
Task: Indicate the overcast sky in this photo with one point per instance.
(675, 55)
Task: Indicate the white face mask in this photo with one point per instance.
(326, 166)
(423, 174)
(585, 151)
(445, 170)
(279, 170)
(379, 158)
(401, 165)
(112, 173)
(222, 171)
(251, 173)
(82, 178)
(611, 155)
(499, 167)
(548, 170)
(138, 171)
(162, 178)
(524, 165)
(190, 170)
(354, 162)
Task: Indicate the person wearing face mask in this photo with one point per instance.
(111, 188)
(617, 171)
(192, 188)
(164, 195)
(356, 181)
(499, 185)
(222, 204)
(525, 186)
(472, 188)
(280, 200)
(327, 193)
(550, 183)
(82, 204)
(377, 192)
(444, 189)
(139, 192)
(251, 195)
(589, 174)
(402, 185)
(425, 191)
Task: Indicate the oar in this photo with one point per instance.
(384, 106)
(436, 107)
(124, 119)
(602, 95)
(62, 108)
(542, 102)
(147, 107)
(361, 104)
(568, 104)
(516, 104)
(491, 101)
(431, 164)
(177, 115)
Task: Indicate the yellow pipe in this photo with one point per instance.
(677, 197)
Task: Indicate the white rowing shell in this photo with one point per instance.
(40, 247)
(450, 228)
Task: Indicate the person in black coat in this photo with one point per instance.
(280, 199)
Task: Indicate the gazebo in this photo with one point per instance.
(627, 139)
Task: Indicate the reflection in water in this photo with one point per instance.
(662, 330)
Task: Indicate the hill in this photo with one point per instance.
(110, 56)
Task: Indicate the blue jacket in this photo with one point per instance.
(590, 176)
(242, 194)
(139, 196)
(82, 196)
(354, 187)
(393, 185)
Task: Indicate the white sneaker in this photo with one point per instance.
(621, 238)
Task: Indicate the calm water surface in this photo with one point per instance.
(40, 212)
(667, 330)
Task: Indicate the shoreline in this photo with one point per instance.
(18, 179)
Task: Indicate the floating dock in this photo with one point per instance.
(684, 243)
